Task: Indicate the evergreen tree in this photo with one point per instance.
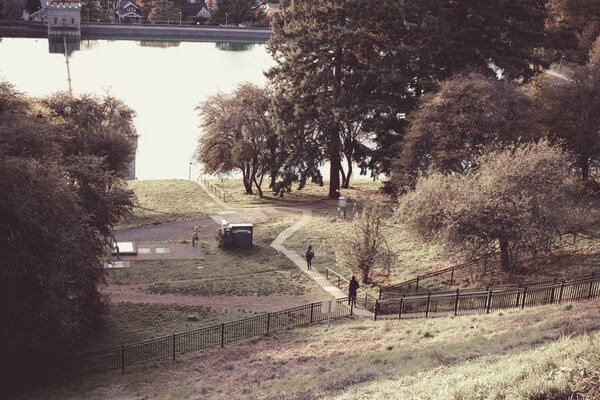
(32, 5)
(163, 11)
(234, 12)
(350, 63)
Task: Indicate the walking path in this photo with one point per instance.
(321, 280)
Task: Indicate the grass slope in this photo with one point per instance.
(161, 201)
(550, 352)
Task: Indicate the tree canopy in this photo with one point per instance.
(570, 111)
(60, 200)
(470, 114)
(517, 201)
(235, 12)
(238, 135)
(347, 63)
(163, 10)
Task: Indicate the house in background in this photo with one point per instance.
(127, 11)
(197, 11)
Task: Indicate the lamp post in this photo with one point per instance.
(179, 17)
(190, 172)
(226, 18)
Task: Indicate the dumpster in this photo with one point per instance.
(238, 235)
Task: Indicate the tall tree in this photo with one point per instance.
(347, 61)
(571, 112)
(59, 204)
(517, 201)
(238, 136)
(468, 115)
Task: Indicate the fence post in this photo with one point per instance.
(562, 286)
(456, 302)
(222, 335)
(327, 273)
(518, 296)
(269, 319)
(376, 310)
(339, 281)
(552, 293)
(489, 301)
(590, 290)
(173, 347)
(452, 276)
(428, 302)
(123, 358)
(417, 286)
(524, 296)
(311, 312)
(351, 308)
(401, 306)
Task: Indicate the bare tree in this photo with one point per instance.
(362, 246)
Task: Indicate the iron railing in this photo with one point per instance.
(203, 338)
(474, 301)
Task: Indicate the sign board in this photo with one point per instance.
(325, 306)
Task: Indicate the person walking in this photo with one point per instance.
(195, 235)
(310, 254)
(352, 288)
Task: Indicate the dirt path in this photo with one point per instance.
(135, 294)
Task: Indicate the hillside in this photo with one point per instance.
(550, 352)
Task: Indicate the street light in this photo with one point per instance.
(190, 172)
(179, 17)
(226, 19)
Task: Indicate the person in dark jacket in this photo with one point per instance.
(310, 254)
(352, 288)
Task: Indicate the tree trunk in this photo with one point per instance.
(334, 132)
(584, 164)
(505, 263)
(247, 180)
(258, 184)
(346, 179)
(364, 274)
(342, 173)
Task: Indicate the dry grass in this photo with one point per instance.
(236, 196)
(513, 354)
(162, 201)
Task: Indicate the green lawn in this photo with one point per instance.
(161, 201)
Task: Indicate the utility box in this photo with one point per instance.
(238, 235)
(342, 206)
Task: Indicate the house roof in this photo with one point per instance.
(193, 9)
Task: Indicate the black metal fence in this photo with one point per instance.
(203, 338)
(474, 301)
(435, 279)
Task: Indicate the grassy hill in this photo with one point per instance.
(550, 352)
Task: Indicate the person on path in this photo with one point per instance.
(352, 288)
(310, 254)
(195, 235)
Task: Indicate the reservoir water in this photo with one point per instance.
(162, 81)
